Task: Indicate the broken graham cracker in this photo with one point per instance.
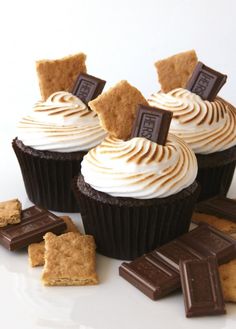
(221, 224)
(10, 212)
(117, 107)
(175, 71)
(228, 280)
(36, 250)
(69, 260)
(59, 74)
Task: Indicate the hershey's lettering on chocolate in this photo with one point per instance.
(206, 82)
(88, 87)
(152, 123)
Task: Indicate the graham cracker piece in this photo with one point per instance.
(117, 108)
(36, 250)
(69, 260)
(59, 74)
(228, 280)
(221, 224)
(175, 71)
(10, 212)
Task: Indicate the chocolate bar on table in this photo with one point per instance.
(88, 87)
(35, 223)
(206, 82)
(200, 243)
(201, 287)
(219, 206)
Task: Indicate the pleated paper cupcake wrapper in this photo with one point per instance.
(48, 181)
(215, 180)
(128, 232)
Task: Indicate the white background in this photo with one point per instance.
(122, 40)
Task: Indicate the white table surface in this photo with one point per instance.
(113, 304)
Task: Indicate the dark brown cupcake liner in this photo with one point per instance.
(48, 175)
(126, 228)
(215, 172)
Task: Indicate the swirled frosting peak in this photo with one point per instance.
(62, 123)
(139, 168)
(207, 127)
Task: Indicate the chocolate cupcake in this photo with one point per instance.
(135, 195)
(50, 146)
(209, 129)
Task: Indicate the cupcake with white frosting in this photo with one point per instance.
(50, 146)
(135, 195)
(209, 128)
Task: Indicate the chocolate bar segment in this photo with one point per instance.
(201, 287)
(151, 275)
(219, 206)
(156, 274)
(88, 87)
(35, 222)
(175, 250)
(208, 241)
(152, 123)
(206, 82)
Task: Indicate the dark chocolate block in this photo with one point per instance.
(175, 250)
(88, 87)
(35, 222)
(208, 241)
(152, 123)
(151, 275)
(201, 287)
(156, 274)
(219, 206)
(206, 82)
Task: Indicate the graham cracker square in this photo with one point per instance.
(117, 108)
(228, 280)
(175, 71)
(221, 224)
(10, 212)
(59, 74)
(69, 260)
(36, 250)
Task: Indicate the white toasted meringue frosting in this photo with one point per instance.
(62, 123)
(139, 168)
(207, 127)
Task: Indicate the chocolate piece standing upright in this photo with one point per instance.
(88, 87)
(201, 287)
(152, 123)
(202, 242)
(35, 222)
(206, 82)
(219, 206)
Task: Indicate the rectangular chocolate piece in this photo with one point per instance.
(208, 241)
(201, 287)
(206, 82)
(219, 206)
(35, 222)
(152, 123)
(156, 274)
(88, 87)
(175, 250)
(151, 275)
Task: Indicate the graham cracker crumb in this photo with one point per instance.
(228, 280)
(10, 212)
